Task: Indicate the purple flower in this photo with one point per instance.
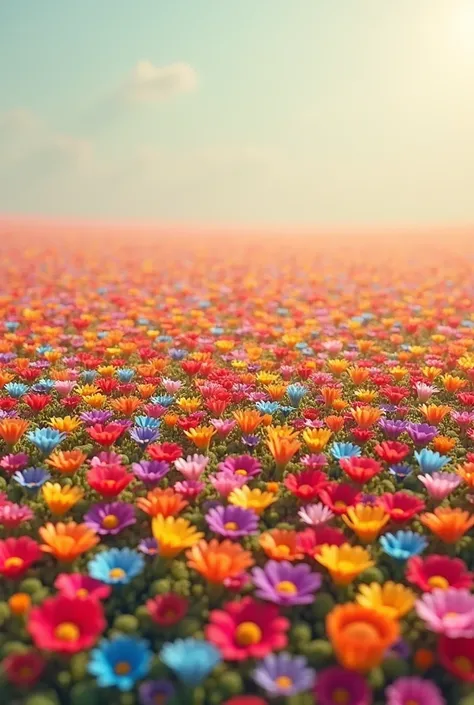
(15, 461)
(244, 465)
(392, 429)
(155, 692)
(411, 689)
(250, 440)
(110, 518)
(421, 433)
(232, 521)
(283, 583)
(148, 546)
(336, 685)
(97, 416)
(150, 472)
(284, 674)
(449, 612)
(143, 435)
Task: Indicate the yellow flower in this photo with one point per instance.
(174, 534)
(316, 439)
(365, 521)
(61, 499)
(97, 401)
(65, 424)
(345, 562)
(255, 500)
(87, 389)
(391, 599)
(189, 404)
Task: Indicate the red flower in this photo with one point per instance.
(247, 629)
(23, 669)
(109, 480)
(392, 451)
(37, 402)
(168, 609)
(438, 572)
(360, 470)
(105, 434)
(71, 401)
(17, 555)
(307, 485)
(339, 496)
(66, 624)
(401, 506)
(165, 451)
(310, 540)
(457, 656)
(7, 404)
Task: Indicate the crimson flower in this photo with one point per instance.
(167, 609)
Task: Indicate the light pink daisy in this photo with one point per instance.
(440, 484)
(449, 612)
(315, 514)
(192, 467)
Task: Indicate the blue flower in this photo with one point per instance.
(11, 325)
(44, 385)
(116, 566)
(295, 393)
(125, 374)
(400, 471)
(345, 450)
(176, 354)
(16, 389)
(120, 662)
(163, 400)
(144, 434)
(403, 544)
(190, 659)
(430, 461)
(155, 692)
(31, 478)
(147, 422)
(88, 376)
(45, 439)
(267, 407)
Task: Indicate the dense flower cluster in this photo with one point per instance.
(219, 484)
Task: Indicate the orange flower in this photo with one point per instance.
(366, 416)
(11, 430)
(146, 390)
(433, 413)
(201, 436)
(330, 395)
(67, 461)
(170, 419)
(126, 405)
(5, 378)
(448, 524)
(280, 545)
(453, 384)
(339, 404)
(360, 636)
(358, 375)
(334, 423)
(248, 420)
(466, 471)
(282, 447)
(67, 541)
(19, 603)
(443, 444)
(276, 391)
(218, 561)
(162, 502)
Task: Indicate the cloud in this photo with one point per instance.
(148, 83)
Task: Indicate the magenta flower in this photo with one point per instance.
(12, 515)
(150, 472)
(440, 484)
(449, 612)
(283, 583)
(315, 461)
(315, 514)
(244, 465)
(13, 462)
(226, 482)
(335, 685)
(223, 426)
(411, 689)
(189, 488)
(110, 518)
(78, 585)
(192, 467)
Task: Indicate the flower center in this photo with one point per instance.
(450, 616)
(231, 526)
(283, 549)
(122, 668)
(241, 471)
(463, 663)
(248, 633)
(169, 614)
(14, 562)
(82, 593)
(117, 573)
(340, 504)
(110, 521)
(437, 581)
(345, 567)
(361, 631)
(159, 699)
(340, 696)
(284, 682)
(306, 488)
(67, 631)
(25, 672)
(287, 587)
(397, 512)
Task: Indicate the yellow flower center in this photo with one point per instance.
(110, 521)
(82, 593)
(14, 562)
(287, 587)
(305, 488)
(463, 663)
(450, 615)
(117, 573)
(283, 549)
(345, 567)
(67, 631)
(241, 471)
(122, 668)
(231, 526)
(340, 504)
(437, 581)
(284, 682)
(25, 672)
(361, 631)
(248, 633)
(397, 512)
(169, 614)
(340, 696)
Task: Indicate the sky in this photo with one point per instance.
(238, 111)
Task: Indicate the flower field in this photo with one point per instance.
(235, 472)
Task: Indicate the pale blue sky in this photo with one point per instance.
(265, 111)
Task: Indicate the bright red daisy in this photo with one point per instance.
(438, 572)
(306, 485)
(338, 497)
(168, 609)
(360, 470)
(17, 555)
(401, 506)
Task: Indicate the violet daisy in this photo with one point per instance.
(283, 674)
(155, 692)
(143, 435)
(411, 689)
(150, 472)
(232, 521)
(110, 518)
(283, 583)
(148, 546)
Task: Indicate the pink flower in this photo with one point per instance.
(226, 482)
(82, 586)
(449, 612)
(315, 514)
(412, 689)
(13, 462)
(424, 391)
(223, 426)
(189, 488)
(64, 388)
(171, 385)
(440, 484)
(193, 467)
(12, 515)
(244, 465)
(315, 461)
(237, 583)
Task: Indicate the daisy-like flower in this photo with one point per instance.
(438, 572)
(110, 518)
(66, 624)
(440, 484)
(150, 472)
(449, 612)
(412, 689)
(117, 566)
(82, 586)
(283, 583)
(338, 686)
(244, 465)
(315, 514)
(282, 675)
(231, 521)
(392, 599)
(192, 467)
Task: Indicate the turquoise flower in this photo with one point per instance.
(117, 566)
(120, 662)
(190, 659)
